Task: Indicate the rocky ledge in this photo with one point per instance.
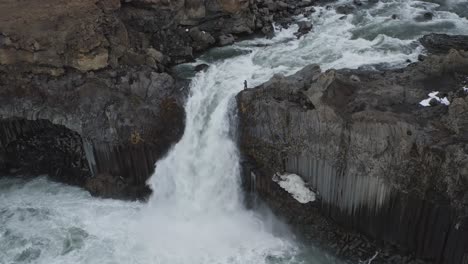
(86, 94)
(378, 161)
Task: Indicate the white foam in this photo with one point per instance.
(293, 184)
(433, 95)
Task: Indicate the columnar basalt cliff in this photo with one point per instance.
(126, 119)
(379, 162)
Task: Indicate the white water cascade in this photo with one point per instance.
(197, 215)
(197, 186)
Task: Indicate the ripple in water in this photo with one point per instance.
(197, 214)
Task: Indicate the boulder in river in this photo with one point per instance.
(304, 28)
(225, 40)
(280, 11)
(201, 67)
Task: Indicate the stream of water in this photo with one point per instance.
(197, 214)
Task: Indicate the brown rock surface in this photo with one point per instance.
(55, 33)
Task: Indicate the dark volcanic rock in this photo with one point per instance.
(225, 40)
(202, 39)
(304, 28)
(281, 12)
(379, 162)
(201, 67)
(357, 2)
(125, 120)
(428, 16)
(442, 43)
(345, 9)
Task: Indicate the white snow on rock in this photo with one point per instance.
(294, 185)
(465, 89)
(433, 95)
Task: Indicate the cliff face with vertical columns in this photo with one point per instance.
(119, 122)
(380, 163)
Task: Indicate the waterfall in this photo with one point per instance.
(197, 204)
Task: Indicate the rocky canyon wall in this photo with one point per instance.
(379, 162)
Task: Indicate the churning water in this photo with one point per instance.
(197, 215)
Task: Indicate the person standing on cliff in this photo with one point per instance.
(245, 84)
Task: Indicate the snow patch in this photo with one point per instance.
(294, 185)
(465, 89)
(433, 95)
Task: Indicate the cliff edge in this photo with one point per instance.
(379, 161)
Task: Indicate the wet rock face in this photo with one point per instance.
(281, 12)
(304, 28)
(380, 162)
(39, 147)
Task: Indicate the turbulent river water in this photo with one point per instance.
(197, 214)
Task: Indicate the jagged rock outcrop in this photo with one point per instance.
(442, 43)
(126, 118)
(380, 162)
